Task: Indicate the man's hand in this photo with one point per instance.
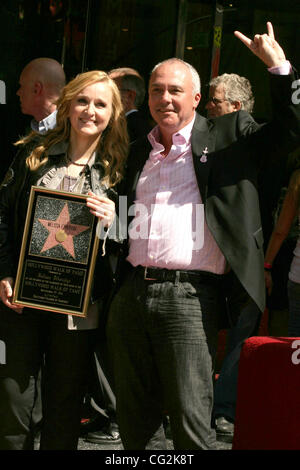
(265, 47)
(6, 292)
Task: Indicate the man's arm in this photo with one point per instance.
(283, 133)
(265, 47)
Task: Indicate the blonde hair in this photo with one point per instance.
(114, 142)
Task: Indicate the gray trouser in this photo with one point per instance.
(163, 339)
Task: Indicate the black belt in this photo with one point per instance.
(162, 274)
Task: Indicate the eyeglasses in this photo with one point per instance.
(215, 100)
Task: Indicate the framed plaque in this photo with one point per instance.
(58, 253)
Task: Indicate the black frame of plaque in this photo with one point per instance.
(59, 282)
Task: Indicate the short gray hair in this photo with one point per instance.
(236, 88)
(195, 76)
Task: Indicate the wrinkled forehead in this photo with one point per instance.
(217, 91)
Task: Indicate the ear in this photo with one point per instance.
(38, 88)
(236, 105)
(197, 99)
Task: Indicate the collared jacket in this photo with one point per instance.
(228, 152)
(14, 196)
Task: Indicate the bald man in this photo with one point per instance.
(41, 82)
(40, 85)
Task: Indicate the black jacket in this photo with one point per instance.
(14, 197)
(227, 180)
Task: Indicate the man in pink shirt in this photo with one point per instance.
(194, 228)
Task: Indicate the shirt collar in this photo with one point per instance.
(181, 137)
(131, 111)
(185, 132)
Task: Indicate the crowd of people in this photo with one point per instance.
(186, 261)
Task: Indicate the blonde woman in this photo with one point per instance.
(85, 153)
(289, 212)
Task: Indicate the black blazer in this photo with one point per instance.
(228, 178)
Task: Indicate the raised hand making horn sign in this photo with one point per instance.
(202, 244)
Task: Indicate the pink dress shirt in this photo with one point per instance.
(169, 228)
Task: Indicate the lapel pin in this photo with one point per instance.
(203, 158)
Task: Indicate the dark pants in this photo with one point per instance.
(31, 338)
(163, 339)
(101, 397)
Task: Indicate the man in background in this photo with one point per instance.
(229, 93)
(40, 85)
(132, 89)
(41, 82)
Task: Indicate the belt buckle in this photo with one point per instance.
(148, 278)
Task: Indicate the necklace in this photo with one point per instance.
(74, 163)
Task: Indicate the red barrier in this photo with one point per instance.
(268, 402)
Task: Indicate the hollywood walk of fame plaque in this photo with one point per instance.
(58, 253)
